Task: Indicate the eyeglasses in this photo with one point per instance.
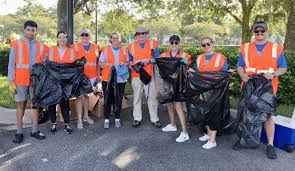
(176, 43)
(206, 44)
(257, 31)
(84, 35)
(137, 34)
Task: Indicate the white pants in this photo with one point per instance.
(152, 101)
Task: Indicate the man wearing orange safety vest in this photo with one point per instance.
(91, 52)
(262, 56)
(24, 52)
(143, 50)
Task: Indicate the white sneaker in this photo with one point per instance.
(209, 145)
(80, 125)
(169, 127)
(204, 138)
(182, 137)
(88, 120)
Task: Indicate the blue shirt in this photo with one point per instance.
(156, 51)
(208, 58)
(86, 47)
(282, 63)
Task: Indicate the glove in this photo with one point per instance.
(12, 87)
(184, 60)
(153, 61)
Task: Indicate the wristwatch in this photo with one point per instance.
(274, 74)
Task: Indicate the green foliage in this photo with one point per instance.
(4, 58)
(6, 98)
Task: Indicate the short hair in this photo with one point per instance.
(30, 23)
(207, 38)
(115, 33)
(60, 32)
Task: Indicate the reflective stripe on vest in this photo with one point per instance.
(41, 48)
(199, 60)
(151, 44)
(274, 50)
(105, 53)
(71, 54)
(247, 54)
(51, 54)
(96, 51)
(76, 46)
(217, 60)
(133, 47)
(20, 55)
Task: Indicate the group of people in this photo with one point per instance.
(259, 56)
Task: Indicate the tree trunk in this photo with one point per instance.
(246, 30)
(290, 35)
(62, 15)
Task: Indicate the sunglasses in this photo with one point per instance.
(84, 35)
(137, 34)
(206, 44)
(176, 43)
(257, 31)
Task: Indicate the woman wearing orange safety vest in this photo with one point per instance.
(61, 54)
(90, 52)
(210, 61)
(117, 56)
(176, 52)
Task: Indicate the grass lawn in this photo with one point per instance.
(6, 98)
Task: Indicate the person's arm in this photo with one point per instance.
(282, 68)
(241, 70)
(102, 64)
(11, 70)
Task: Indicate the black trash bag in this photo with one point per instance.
(257, 102)
(112, 90)
(53, 81)
(44, 89)
(143, 75)
(208, 100)
(43, 116)
(170, 76)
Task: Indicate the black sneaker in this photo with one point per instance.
(271, 152)
(68, 129)
(53, 129)
(38, 135)
(18, 138)
(157, 124)
(237, 146)
(136, 124)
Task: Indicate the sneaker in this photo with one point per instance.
(106, 125)
(157, 124)
(204, 138)
(169, 128)
(271, 152)
(38, 135)
(209, 145)
(53, 129)
(80, 125)
(237, 146)
(136, 124)
(88, 120)
(117, 124)
(68, 129)
(18, 138)
(182, 137)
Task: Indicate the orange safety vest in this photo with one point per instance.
(90, 68)
(256, 63)
(22, 60)
(215, 64)
(182, 54)
(68, 56)
(142, 54)
(110, 58)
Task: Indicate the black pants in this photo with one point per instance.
(107, 105)
(64, 105)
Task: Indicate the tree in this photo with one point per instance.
(290, 35)
(118, 21)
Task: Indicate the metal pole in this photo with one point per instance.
(70, 22)
(95, 22)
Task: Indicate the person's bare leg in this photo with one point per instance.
(86, 106)
(269, 127)
(178, 106)
(212, 135)
(79, 108)
(171, 113)
(20, 111)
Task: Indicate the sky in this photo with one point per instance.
(11, 6)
